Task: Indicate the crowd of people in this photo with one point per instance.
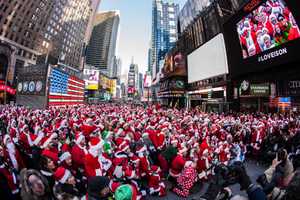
(128, 152)
(268, 26)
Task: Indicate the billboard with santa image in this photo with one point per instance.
(262, 36)
(269, 25)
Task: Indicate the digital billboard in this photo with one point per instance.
(269, 25)
(262, 35)
(174, 65)
(202, 63)
(91, 79)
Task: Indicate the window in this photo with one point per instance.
(172, 31)
(171, 9)
(172, 39)
(172, 23)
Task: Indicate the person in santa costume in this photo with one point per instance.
(121, 160)
(12, 153)
(8, 178)
(65, 187)
(204, 164)
(26, 140)
(186, 180)
(143, 160)
(78, 152)
(93, 165)
(178, 163)
(47, 165)
(155, 183)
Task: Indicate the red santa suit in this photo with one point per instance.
(203, 164)
(27, 140)
(144, 161)
(177, 165)
(12, 153)
(186, 181)
(78, 152)
(10, 176)
(155, 183)
(120, 162)
(92, 164)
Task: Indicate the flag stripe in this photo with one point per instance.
(65, 89)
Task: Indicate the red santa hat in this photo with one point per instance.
(95, 143)
(51, 155)
(155, 169)
(62, 175)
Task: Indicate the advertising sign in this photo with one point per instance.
(32, 80)
(264, 34)
(174, 65)
(255, 89)
(208, 61)
(91, 78)
(147, 80)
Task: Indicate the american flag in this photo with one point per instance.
(65, 89)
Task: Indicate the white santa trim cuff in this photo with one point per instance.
(66, 176)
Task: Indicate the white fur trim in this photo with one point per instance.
(64, 156)
(98, 172)
(47, 142)
(65, 177)
(79, 139)
(118, 172)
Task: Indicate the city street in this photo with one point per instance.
(108, 99)
(253, 169)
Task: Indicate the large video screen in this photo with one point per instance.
(269, 25)
(209, 60)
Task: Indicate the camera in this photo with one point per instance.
(228, 175)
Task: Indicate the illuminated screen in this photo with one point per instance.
(268, 26)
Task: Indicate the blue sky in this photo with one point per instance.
(135, 29)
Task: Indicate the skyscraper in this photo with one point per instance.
(44, 30)
(102, 45)
(117, 65)
(164, 31)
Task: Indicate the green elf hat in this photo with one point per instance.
(107, 147)
(105, 134)
(125, 192)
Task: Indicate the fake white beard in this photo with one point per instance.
(11, 148)
(11, 151)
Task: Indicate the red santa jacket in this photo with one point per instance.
(26, 141)
(92, 166)
(78, 155)
(177, 165)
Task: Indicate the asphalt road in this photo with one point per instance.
(253, 170)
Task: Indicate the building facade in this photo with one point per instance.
(43, 31)
(44, 28)
(133, 77)
(117, 67)
(101, 49)
(164, 31)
